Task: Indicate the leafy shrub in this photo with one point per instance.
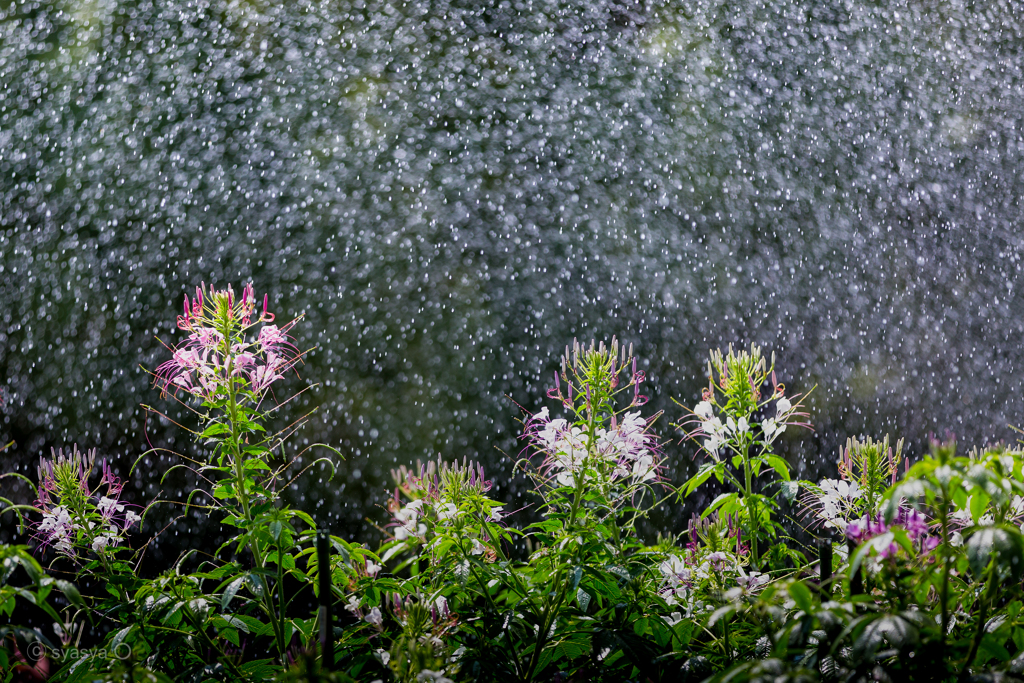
(928, 567)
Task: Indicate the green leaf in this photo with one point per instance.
(789, 490)
(252, 624)
(223, 491)
(684, 631)
(992, 648)
(231, 635)
(256, 464)
(583, 598)
(255, 584)
(305, 518)
(231, 591)
(1004, 544)
(199, 607)
(780, 466)
(979, 502)
(702, 475)
(120, 636)
(720, 501)
(1018, 638)
(70, 591)
(236, 622)
(215, 429)
(577, 574)
(801, 595)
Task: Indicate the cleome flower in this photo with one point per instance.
(224, 346)
(76, 517)
(442, 495)
(627, 450)
(834, 502)
(599, 443)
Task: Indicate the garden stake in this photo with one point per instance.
(856, 580)
(323, 556)
(825, 568)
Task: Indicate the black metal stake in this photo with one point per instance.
(825, 568)
(323, 556)
(856, 580)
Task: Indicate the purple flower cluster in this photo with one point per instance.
(911, 521)
(74, 514)
(205, 362)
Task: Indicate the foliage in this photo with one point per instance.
(732, 435)
(928, 567)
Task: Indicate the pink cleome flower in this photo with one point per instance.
(205, 364)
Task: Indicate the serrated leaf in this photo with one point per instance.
(789, 490)
(233, 621)
(230, 635)
(231, 591)
(583, 598)
(256, 464)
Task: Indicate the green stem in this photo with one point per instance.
(946, 562)
(276, 616)
(280, 597)
(751, 505)
(546, 621)
(725, 636)
(494, 606)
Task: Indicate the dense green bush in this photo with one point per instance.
(927, 580)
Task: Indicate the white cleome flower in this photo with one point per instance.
(100, 543)
(771, 428)
(712, 444)
(131, 519)
(672, 567)
(783, 406)
(837, 499)
(107, 506)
